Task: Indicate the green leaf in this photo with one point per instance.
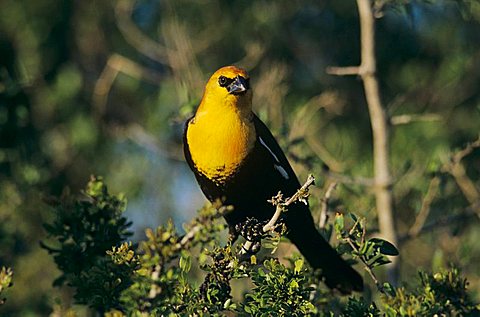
(298, 266)
(185, 263)
(339, 223)
(384, 246)
(354, 218)
(389, 289)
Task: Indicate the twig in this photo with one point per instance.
(467, 150)
(367, 267)
(300, 195)
(281, 206)
(118, 64)
(344, 71)
(198, 226)
(425, 209)
(135, 37)
(457, 170)
(470, 212)
(356, 249)
(409, 118)
(317, 147)
(154, 289)
(324, 211)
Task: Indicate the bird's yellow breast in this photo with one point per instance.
(219, 142)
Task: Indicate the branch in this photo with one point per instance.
(356, 249)
(379, 123)
(135, 37)
(281, 206)
(367, 267)
(455, 168)
(116, 64)
(324, 211)
(468, 188)
(470, 212)
(408, 118)
(221, 211)
(467, 150)
(425, 209)
(344, 71)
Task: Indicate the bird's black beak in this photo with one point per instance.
(238, 86)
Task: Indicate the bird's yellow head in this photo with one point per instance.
(228, 87)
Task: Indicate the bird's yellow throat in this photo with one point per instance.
(219, 139)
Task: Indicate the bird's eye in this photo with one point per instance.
(223, 81)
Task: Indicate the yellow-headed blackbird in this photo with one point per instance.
(236, 159)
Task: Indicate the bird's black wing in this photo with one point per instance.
(186, 150)
(280, 162)
(300, 223)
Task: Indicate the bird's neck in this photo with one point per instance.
(219, 139)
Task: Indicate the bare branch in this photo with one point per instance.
(467, 150)
(301, 195)
(466, 185)
(383, 182)
(344, 71)
(379, 123)
(425, 209)
(118, 64)
(135, 37)
(409, 118)
(463, 217)
(197, 227)
(457, 170)
(324, 211)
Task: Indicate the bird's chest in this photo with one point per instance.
(219, 144)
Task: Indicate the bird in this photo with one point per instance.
(236, 159)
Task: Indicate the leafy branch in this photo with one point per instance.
(371, 252)
(6, 275)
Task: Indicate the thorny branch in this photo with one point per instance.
(281, 206)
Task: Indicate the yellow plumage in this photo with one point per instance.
(222, 133)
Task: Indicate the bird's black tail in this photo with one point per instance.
(338, 274)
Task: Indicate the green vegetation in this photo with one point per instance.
(155, 279)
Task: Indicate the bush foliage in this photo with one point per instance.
(88, 240)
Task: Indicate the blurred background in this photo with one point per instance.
(103, 87)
